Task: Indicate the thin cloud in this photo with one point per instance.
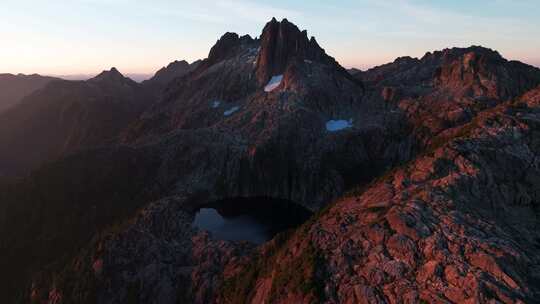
(432, 20)
(222, 12)
(192, 14)
(225, 12)
(254, 11)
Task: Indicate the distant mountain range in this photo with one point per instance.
(138, 77)
(13, 88)
(65, 116)
(423, 175)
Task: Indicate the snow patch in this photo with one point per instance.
(231, 110)
(215, 104)
(337, 125)
(273, 83)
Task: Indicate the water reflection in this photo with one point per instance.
(255, 219)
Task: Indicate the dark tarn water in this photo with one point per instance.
(256, 220)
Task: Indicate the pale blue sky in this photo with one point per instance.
(139, 36)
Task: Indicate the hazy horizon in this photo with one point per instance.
(85, 37)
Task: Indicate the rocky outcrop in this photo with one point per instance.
(282, 43)
(448, 88)
(226, 47)
(480, 72)
(475, 72)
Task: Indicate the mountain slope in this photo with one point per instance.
(279, 98)
(47, 216)
(237, 148)
(447, 88)
(66, 116)
(13, 88)
(167, 74)
(457, 225)
(463, 72)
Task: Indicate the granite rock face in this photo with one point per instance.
(282, 43)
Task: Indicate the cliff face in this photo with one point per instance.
(282, 43)
(424, 173)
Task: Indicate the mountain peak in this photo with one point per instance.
(111, 75)
(478, 71)
(178, 63)
(282, 42)
(225, 46)
(173, 70)
(112, 72)
(450, 54)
